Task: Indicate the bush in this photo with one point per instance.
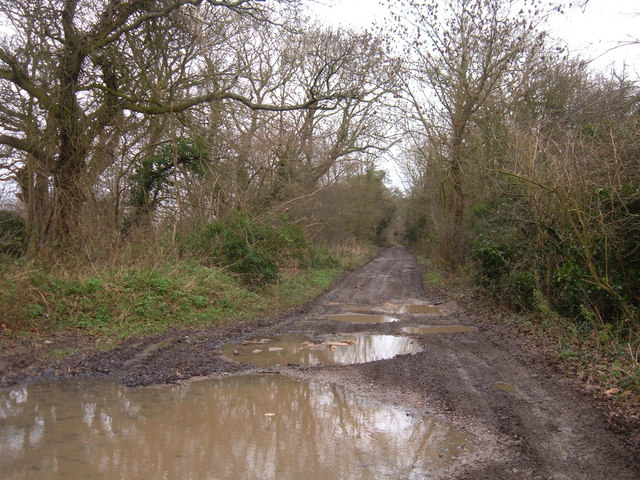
(321, 257)
(249, 247)
(521, 290)
(569, 290)
(500, 276)
(12, 233)
(493, 263)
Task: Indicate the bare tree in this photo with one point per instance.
(70, 68)
(462, 52)
(272, 157)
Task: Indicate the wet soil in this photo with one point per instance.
(529, 421)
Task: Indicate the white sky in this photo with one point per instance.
(598, 32)
(590, 33)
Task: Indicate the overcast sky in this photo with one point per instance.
(591, 33)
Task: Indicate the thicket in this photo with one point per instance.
(554, 214)
(12, 233)
(358, 206)
(530, 186)
(561, 217)
(234, 269)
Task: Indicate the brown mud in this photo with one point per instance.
(528, 419)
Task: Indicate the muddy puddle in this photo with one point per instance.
(505, 387)
(233, 428)
(362, 318)
(299, 350)
(436, 329)
(392, 308)
(420, 309)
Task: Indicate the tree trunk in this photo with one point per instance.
(34, 192)
(68, 199)
(458, 203)
(73, 142)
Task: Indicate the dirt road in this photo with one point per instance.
(529, 421)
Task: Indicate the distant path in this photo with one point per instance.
(392, 275)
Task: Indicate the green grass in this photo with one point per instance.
(117, 303)
(432, 278)
(430, 275)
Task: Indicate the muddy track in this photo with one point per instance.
(528, 421)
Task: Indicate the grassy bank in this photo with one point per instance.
(147, 297)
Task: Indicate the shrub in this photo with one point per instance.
(521, 290)
(499, 275)
(12, 233)
(249, 247)
(493, 263)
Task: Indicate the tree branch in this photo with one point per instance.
(20, 79)
(110, 31)
(24, 146)
(210, 97)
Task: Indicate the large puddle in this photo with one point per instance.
(235, 428)
(298, 350)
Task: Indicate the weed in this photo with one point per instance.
(225, 304)
(59, 353)
(35, 311)
(433, 278)
(200, 301)
(565, 354)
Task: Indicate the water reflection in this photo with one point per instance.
(362, 318)
(420, 309)
(296, 349)
(217, 429)
(387, 307)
